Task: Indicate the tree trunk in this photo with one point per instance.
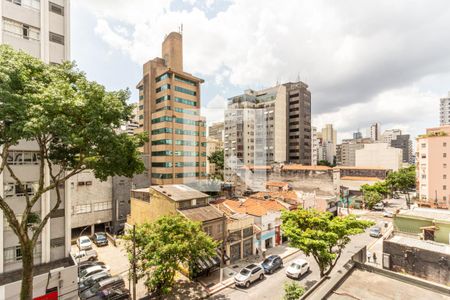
(26, 292)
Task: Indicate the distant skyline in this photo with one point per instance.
(364, 62)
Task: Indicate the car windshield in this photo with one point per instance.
(94, 289)
(295, 266)
(101, 236)
(245, 272)
(267, 261)
(83, 241)
(376, 229)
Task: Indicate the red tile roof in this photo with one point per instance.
(254, 207)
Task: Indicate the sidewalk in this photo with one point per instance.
(212, 284)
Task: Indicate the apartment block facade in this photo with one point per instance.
(375, 132)
(268, 126)
(169, 103)
(433, 167)
(445, 111)
(41, 29)
(345, 152)
(379, 155)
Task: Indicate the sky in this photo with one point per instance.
(364, 61)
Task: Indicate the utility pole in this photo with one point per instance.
(134, 263)
(222, 259)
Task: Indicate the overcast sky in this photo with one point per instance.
(364, 61)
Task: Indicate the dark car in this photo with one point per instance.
(115, 282)
(87, 264)
(112, 294)
(100, 239)
(272, 263)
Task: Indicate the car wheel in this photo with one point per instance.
(307, 270)
(247, 284)
(281, 266)
(91, 259)
(261, 277)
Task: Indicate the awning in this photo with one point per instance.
(433, 228)
(205, 263)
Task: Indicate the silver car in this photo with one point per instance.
(248, 275)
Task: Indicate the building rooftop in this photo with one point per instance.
(296, 167)
(427, 213)
(202, 214)
(179, 192)
(421, 244)
(254, 207)
(277, 183)
(356, 178)
(359, 168)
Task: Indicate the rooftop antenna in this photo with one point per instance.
(181, 28)
(298, 76)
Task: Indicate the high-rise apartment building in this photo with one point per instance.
(345, 154)
(357, 135)
(390, 134)
(328, 144)
(375, 134)
(41, 28)
(267, 126)
(445, 111)
(404, 142)
(216, 131)
(433, 167)
(329, 134)
(169, 101)
(315, 143)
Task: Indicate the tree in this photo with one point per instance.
(217, 158)
(293, 291)
(72, 123)
(381, 187)
(371, 198)
(324, 163)
(403, 181)
(320, 235)
(164, 246)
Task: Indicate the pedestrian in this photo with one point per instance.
(374, 257)
(369, 255)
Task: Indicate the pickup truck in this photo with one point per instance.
(85, 255)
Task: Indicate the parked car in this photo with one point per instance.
(84, 243)
(388, 214)
(272, 263)
(375, 232)
(248, 275)
(112, 294)
(85, 255)
(115, 282)
(91, 271)
(379, 206)
(86, 264)
(100, 239)
(297, 268)
(91, 280)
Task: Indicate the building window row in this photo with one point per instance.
(186, 153)
(186, 111)
(162, 164)
(99, 206)
(185, 101)
(161, 130)
(23, 158)
(186, 132)
(162, 119)
(163, 108)
(21, 30)
(162, 153)
(162, 176)
(14, 254)
(55, 8)
(163, 98)
(35, 4)
(188, 174)
(187, 81)
(185, 91)
(13, 189)
(163, 88)
(162, 142)
(186, 164)
(162, 77)
(186, 143)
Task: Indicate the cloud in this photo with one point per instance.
(214, 110)
(355, 55)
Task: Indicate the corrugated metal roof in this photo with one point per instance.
(202, 214)
(179, 192)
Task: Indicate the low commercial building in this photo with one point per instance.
(425, 259)
(379, 155)
(424, 223)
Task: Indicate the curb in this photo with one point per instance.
(229, 282)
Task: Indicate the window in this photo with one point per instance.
(423, 145)
(186, 132)
(163, 88)
(55, 8)
(186, 111)
(162, 153)
(162, 176)
(162, 142)
(81, 209)
(186, 164)
(185, 101)
(162, 77)
(161, 164)
(23, 158)
(188, 174)
(20, 30)
(185, 91)
(162, 119)
(186, 153)
(101, 206)
(444, 187)
(186, 143)
(444, 166)
(163, 98)
(56, 38)
(163, 108)
(190, 82)
(444, 154)
(161, 130)
(444, 176)
(35, 4)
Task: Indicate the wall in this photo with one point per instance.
(379, 155)
(422, 263)
(306, 180)
(158, 206)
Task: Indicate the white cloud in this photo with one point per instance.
(214, 110)
(359, 58)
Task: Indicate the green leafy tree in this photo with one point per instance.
(293, 291)
(381, 187)
(164, 247)
(72, 122)
(403, 181)
(324, 163)
(371, 198)
(320, 235)
(217, 158)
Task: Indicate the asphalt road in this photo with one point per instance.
(272, 286)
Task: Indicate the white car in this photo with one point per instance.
(84, 243)
(91, 271)
(297, 268)
(248, 275)
(85, 255)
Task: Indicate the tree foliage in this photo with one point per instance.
(72, 124)
(371, 198)
(320, 235)
(217, 158)
(164, 247)
(402, 181)
(293, 291)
